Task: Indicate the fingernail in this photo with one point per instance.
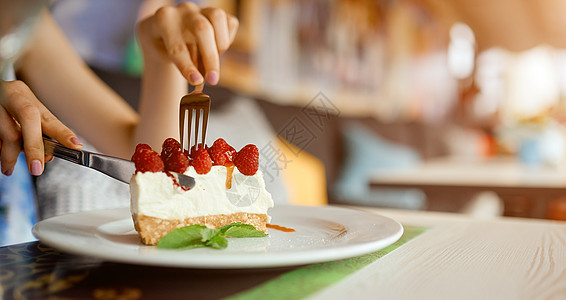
(36, 168)
(9, 171)
(75, 140)
(212, 77)
(195, 78)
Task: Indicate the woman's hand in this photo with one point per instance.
(23, 120)
(187, 34)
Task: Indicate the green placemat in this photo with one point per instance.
(305, 281)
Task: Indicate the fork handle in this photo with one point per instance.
(198, 88)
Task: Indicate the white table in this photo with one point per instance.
(525, 190)
(459, 257)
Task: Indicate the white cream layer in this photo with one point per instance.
(153, 194)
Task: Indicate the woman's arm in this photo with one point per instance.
(82, 101)
(169, 40)
(75, 95)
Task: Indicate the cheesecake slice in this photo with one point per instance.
(224, 193)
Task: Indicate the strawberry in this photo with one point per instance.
(221, 153)
(169, 146)
(142, 146)
(176, 161)
(139, 149)
(201, 161)
(247, 160)
(194, 148)
(147, 160)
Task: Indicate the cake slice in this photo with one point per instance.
(229, 189)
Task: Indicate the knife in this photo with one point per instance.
(114, 167)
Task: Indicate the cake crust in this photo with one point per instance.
(152, 229)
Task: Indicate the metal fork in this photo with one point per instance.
(196, 101)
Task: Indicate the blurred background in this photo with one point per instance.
(442, 105)
(407, 84)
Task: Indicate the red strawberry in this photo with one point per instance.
(247, 160)
(221, 153)
(201, 161)
(194, 148)
(176, 161)
(142, 146)
(139, 149)
(169, 146)
(147, 160)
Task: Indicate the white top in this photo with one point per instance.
(459, 257)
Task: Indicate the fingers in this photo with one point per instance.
(178, 31)
(225, 27)
(175, 45)
(10, 139)
(23, 120)
(214, 31)
(52, 127)
(29, 118)
(20, 105)
(219, 21)
(203, 32)
(233, 25)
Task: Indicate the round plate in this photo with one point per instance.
(322, 234)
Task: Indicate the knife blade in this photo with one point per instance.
(114, 167)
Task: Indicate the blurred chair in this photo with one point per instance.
(367, 154)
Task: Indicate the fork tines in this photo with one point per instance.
(199, 103)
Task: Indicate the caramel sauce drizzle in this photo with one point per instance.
(282, 228)
(229, 172)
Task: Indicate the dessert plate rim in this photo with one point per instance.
(323, 233)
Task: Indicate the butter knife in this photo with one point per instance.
(114, 167)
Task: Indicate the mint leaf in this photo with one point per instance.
(239, 230)
(218, 241)
(198, 236)
(184, 238)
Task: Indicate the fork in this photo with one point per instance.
(195, 101)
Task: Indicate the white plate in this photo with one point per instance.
(322, 234)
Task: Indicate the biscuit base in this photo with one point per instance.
(152, 229)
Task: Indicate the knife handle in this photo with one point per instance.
(57, 150)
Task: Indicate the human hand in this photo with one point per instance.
(187, 34)
(23, 120)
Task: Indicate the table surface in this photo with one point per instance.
(494, 172)
(460, 257)
(444, 256)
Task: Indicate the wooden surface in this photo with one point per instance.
(464, 258)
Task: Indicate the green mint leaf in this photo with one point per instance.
(198, 236)
(224, 228)
(183, 238)
(218, 241)
(239, 230)
(209, 233)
